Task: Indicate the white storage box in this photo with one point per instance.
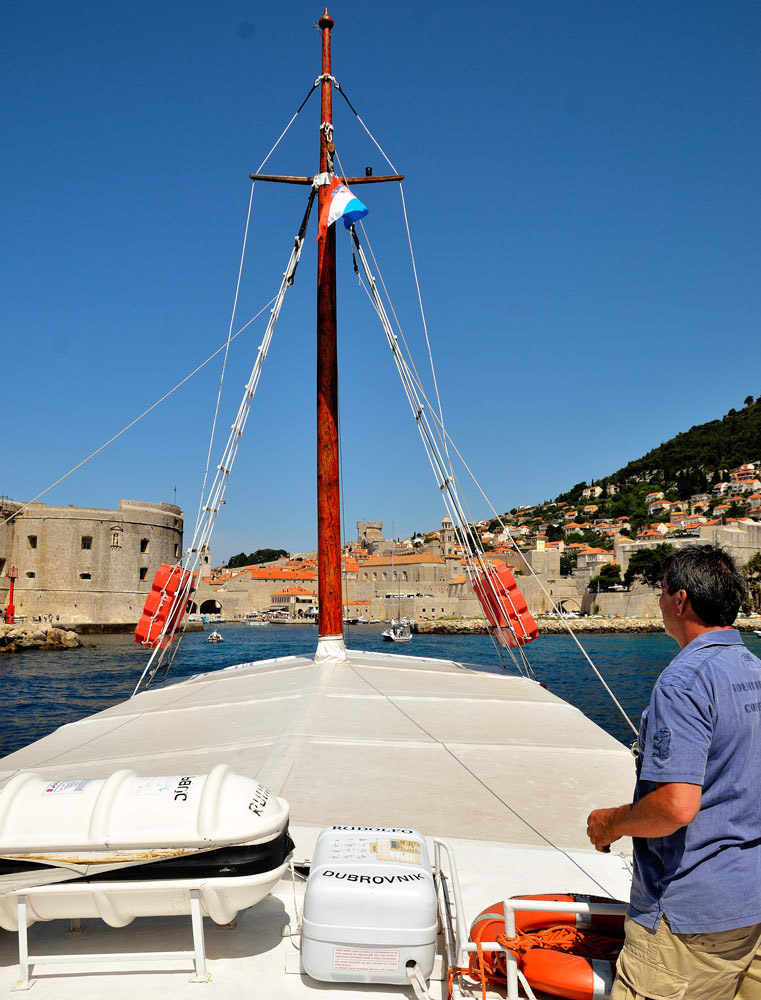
(369, 906)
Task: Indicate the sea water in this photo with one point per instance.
(41, 690)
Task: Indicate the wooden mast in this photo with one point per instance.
(330, 643)
(330, 623)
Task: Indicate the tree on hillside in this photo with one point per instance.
(255, 558)
(748, 400)
(609, 576)
(574, 494)
(648, 564)
(567, 564)
(717, 444)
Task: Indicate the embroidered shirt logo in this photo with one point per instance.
(662, 744)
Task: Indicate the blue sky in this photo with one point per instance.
(582, 188)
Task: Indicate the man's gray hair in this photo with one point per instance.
(714, 585)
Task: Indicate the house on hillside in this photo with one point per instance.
(658, 506)
(744, 473)
(593, 558)
(652, 533)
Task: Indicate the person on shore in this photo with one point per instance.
(693, 927)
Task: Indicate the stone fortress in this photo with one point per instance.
(83, 564)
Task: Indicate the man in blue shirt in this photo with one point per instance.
(694, 921)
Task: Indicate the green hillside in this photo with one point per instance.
(719, 444)
(688, 463)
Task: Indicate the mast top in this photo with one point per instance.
(326, 21)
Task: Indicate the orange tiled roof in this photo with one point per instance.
(281, 573)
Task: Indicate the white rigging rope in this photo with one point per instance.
(417, 285)
(215, 496)
(446, 483)
(476, 560)
(224, 359)
(235, 306)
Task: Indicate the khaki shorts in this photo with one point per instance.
(661, 965)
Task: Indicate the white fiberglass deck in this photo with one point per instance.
(379, 740)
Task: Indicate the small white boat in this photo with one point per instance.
(398, 632)
(215, 637)
(254, 621)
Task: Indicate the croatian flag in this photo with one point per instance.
(340, 204)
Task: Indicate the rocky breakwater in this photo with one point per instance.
(560, 626)
(452, 626)
(14, 638)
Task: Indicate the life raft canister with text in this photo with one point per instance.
(159, 609)
(505, 606)
(559, 973)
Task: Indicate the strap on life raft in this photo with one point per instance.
(567, 955)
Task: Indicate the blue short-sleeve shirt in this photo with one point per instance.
(703, 727)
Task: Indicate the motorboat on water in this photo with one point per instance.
(417, 791)
(215, 637)
(255, 621)
(398, 631)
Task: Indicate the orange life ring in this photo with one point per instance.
(561, 973)
(527, 921)
(565, 975)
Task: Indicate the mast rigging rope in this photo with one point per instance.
(462, 524)
(210, 508)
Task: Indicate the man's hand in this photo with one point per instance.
(600, 828)
(666, 809)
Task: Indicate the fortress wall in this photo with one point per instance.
(92, 564)
(642, 602)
